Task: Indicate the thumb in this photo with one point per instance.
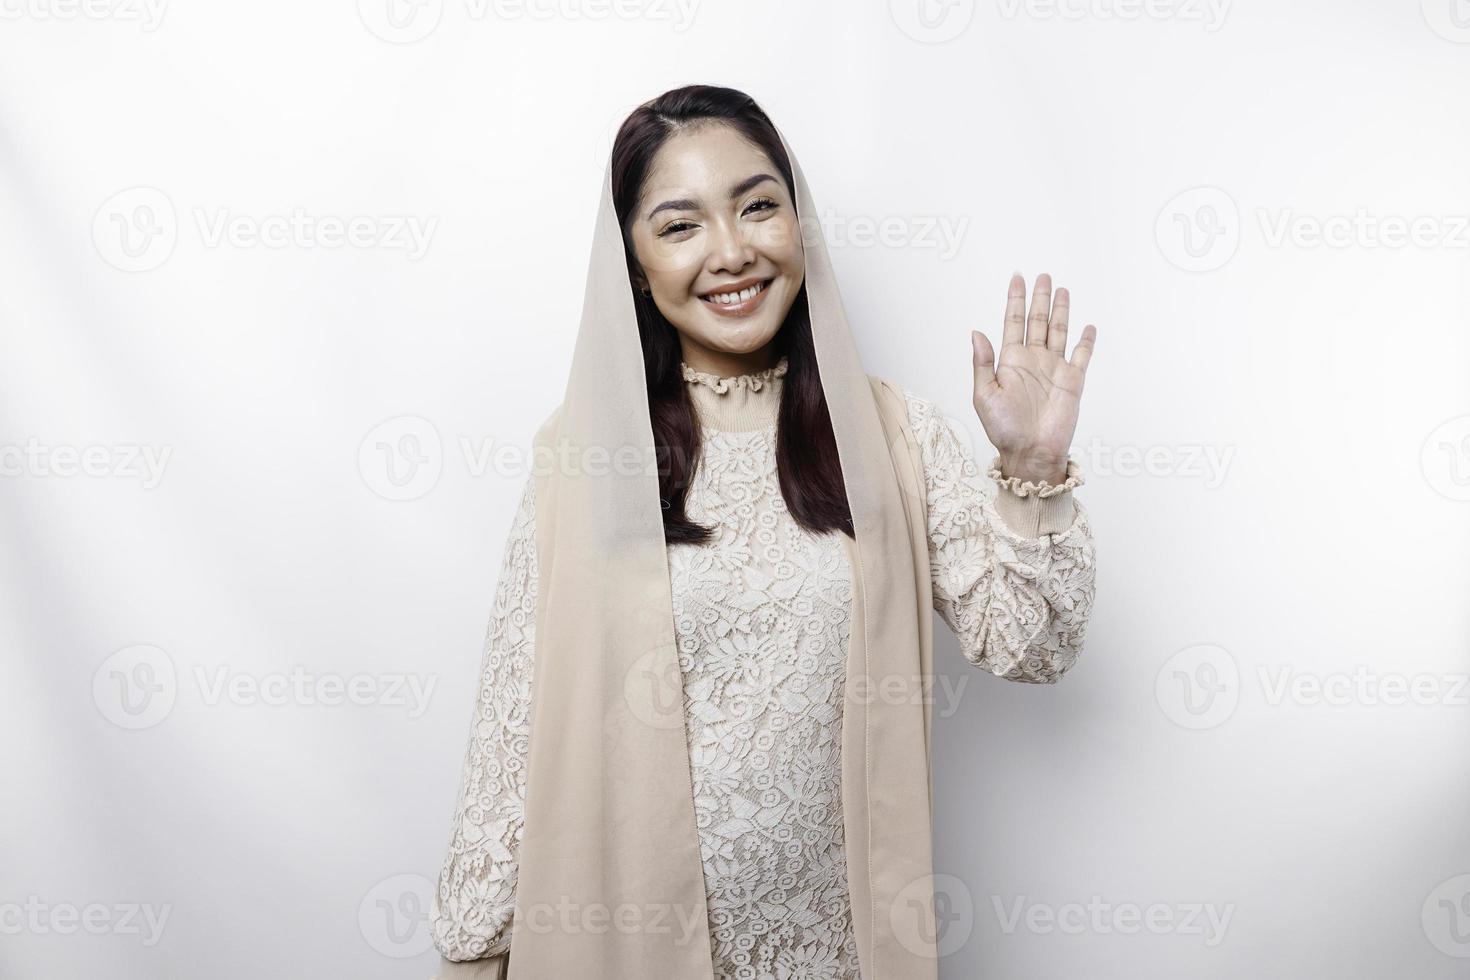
(984, 364)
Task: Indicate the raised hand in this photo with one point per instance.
(1028, 403)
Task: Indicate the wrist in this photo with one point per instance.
(1034, 467)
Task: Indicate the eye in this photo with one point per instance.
(676, 227)
(761, 204)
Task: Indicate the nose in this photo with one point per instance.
(729, 251)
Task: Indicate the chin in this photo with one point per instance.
(744, 335)
(744, 339)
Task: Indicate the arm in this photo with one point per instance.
(1012, 576)
(471, 911)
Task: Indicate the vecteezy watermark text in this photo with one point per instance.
(1210, 13)
(138, 686)
(138, 229)
(1099, 917)
(125, 461)
(410, 21)
(147, 14)
(40, 918)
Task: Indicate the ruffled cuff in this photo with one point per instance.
(1033, 509)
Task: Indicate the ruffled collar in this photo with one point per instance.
(752, 381)
(743, 403)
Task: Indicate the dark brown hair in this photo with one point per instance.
(808, 467)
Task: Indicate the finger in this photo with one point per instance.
(1056, 334)
(984, 363)
(1015, 323)
(1082, 353)
(1040, 312)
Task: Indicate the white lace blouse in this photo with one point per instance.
(761, 616)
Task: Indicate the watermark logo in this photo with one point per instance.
(400, 21)
(394, 916)
(934, 915)
(136, 687)
(1199, 229)
(1198, 687)
(1445, 458)
(653, 684)
(1446, 916)
(136, 229)
(402, 458)
(1450, 19)
(932, 21)
(653, 688)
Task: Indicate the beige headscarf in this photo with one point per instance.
(611, 883)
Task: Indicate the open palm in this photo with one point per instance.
(1029, 402)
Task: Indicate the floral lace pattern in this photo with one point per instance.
(1019, 605)
(471, 910)
(761, 615)
(762, 620)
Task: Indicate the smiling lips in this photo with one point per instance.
(738, 298)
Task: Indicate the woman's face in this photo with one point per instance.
(716, 235)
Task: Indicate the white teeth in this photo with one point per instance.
(728, 299)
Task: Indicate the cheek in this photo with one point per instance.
(675, 287)
(670, 275)
(780, 240)
(680, 285)
(665, 260)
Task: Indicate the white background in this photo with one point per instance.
(321, 506)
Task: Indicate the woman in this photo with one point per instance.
(718, 669)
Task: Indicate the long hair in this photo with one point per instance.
(807, 463)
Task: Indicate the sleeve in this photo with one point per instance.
(1012, 571)
(471, 911)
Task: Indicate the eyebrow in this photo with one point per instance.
(685, 204)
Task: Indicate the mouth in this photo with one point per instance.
(738, 298)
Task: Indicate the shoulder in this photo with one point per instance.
(547, 428)
(913, 403)
(922, 413)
